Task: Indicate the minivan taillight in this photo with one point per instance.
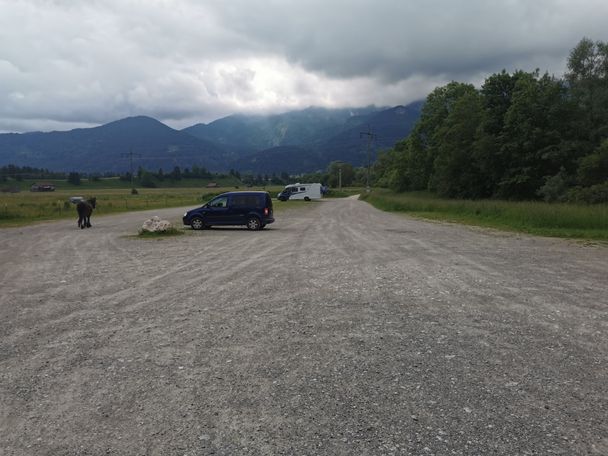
(266, 211)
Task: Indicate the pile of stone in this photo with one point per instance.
(155, 225)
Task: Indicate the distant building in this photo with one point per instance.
(42, 187)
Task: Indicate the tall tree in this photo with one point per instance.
(535, 127)
(456, 174)
(176, 174)
(422, 146)
(74, 178)
(497, 96)
(337, 168)
(588, 79)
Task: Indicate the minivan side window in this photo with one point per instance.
(238, 201)
(219, 202)
(245, 201)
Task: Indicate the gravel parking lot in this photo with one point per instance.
(338, 330)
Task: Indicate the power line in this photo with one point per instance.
(370, 137)
(130, 155)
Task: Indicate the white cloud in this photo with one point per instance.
(80, 63)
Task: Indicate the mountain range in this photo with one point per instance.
(294, 142)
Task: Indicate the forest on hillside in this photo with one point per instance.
(521, 136)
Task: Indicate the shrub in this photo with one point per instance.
(595, 194)
(593, 168)
(555, 188)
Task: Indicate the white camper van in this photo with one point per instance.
(299, 191)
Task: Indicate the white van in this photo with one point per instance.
(299, 191)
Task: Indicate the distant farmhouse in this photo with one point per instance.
(42, 187)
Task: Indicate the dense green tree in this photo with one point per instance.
(588, 79)
(318, 176)
(384, 166)
(533, 146)
(335, 168)
(176, 174)
(74, 178)
(593, 168)
(455, 173)
(276, 180)
(147, 180)
(421, 149)
(497, 96)
(394, 168)
(521, 136)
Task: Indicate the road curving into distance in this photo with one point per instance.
(339, 329)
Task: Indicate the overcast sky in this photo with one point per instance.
(73, 63)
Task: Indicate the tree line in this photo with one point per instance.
(521, 136)
(27, 172)
(336, 172)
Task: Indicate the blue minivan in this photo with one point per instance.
(252, 209)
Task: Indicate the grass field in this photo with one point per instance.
(114, 196)
(105, 183)
(23, 208)
(539, 218)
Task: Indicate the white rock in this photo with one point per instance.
(155, 224)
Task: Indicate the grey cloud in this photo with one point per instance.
(75, 63)
(395, 39)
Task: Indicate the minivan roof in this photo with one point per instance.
(252, 192)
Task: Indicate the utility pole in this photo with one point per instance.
(340, 178)
(130, 155)
(370, 137)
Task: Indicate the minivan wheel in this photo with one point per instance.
(306, 198)
(254, 224)
(197, 223)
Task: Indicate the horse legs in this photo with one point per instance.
(84, 215)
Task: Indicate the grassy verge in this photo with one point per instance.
(538, 218)
(345, 192)
(18, 209)
(160, 234)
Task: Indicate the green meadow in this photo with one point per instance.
(25, 207)
(574, 221)
(588, 222)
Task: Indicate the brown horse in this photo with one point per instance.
(85, 209)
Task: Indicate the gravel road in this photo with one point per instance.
(339, 330)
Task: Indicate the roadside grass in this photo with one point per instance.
(586, 222)
(171, 232)
(345, 192)
(18, 209)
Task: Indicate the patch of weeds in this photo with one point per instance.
(160, 234)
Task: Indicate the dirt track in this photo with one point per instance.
(338, 330)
